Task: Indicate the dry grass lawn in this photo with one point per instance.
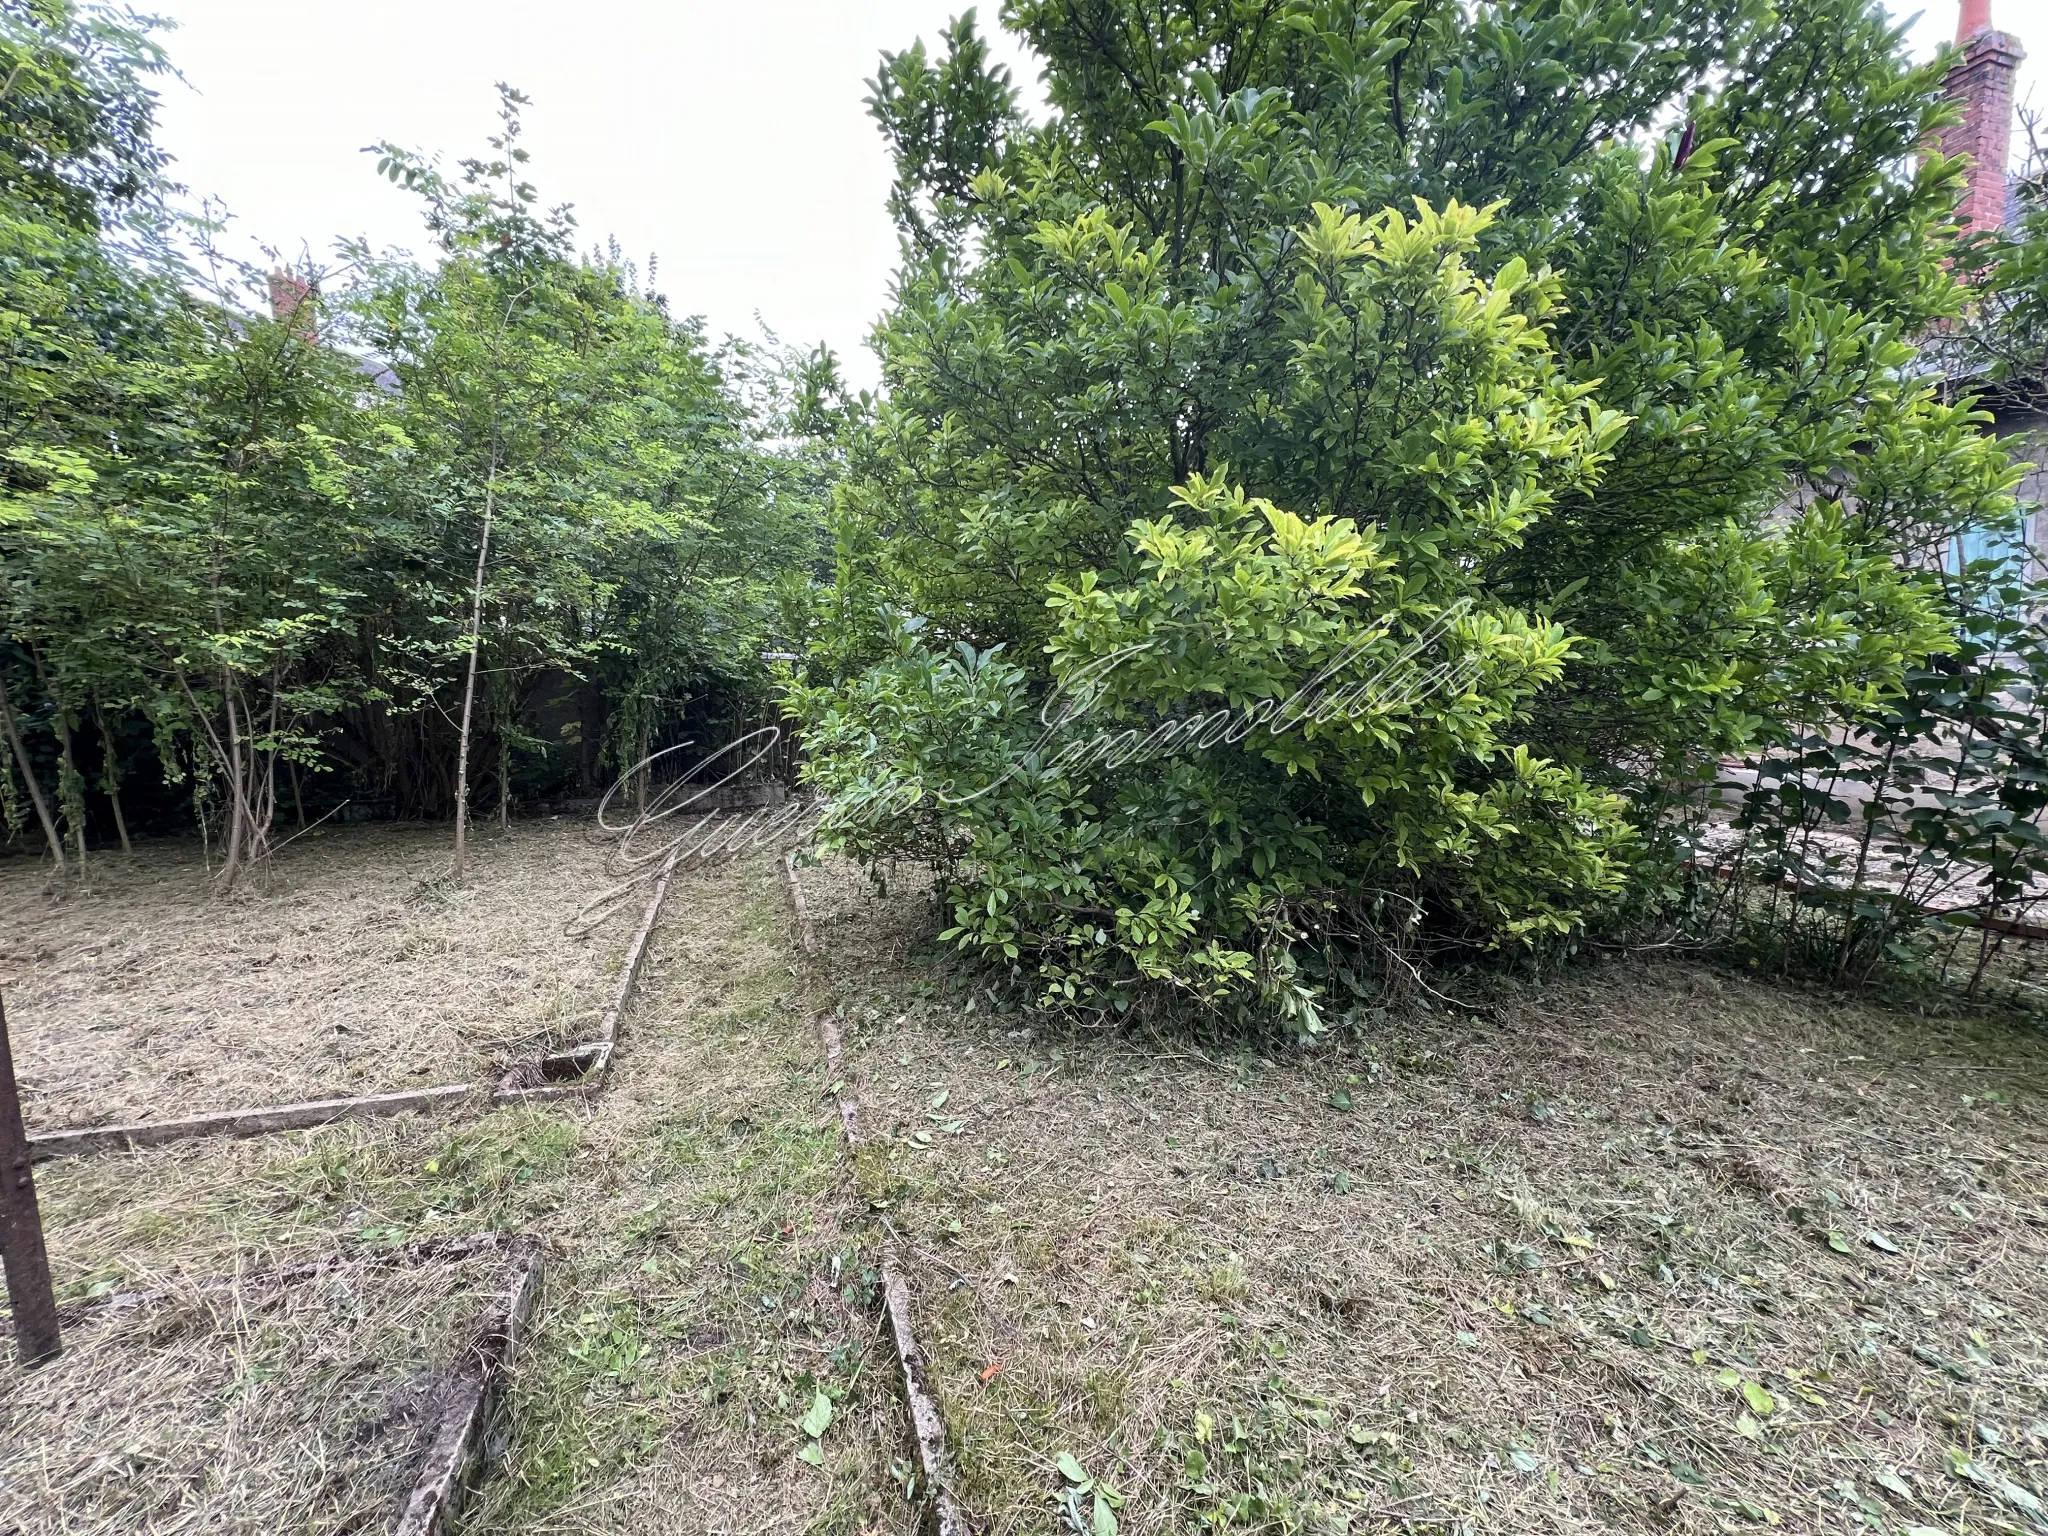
(254, 1409)
(348, 967)
(705, 1281)
(1651, 1249)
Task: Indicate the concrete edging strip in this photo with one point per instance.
(242, 1122)
(608, 1026)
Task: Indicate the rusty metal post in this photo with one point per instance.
(21, 1226)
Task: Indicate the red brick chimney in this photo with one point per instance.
(1982, 85)
(291, 301)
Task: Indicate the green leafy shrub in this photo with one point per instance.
(1124, 846)
(1392, 337)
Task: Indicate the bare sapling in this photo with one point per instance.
(476, 622)
(476, 596)
(28, 772)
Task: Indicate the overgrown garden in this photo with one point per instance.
(1415, 574)
(1350, 482)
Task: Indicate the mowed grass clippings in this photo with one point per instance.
(260, 1407)
(1649, 1249)
(349, 965)
(721, 1288)
(702, 1287)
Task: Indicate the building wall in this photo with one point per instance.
(2025, 437)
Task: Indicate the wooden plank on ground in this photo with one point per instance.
(243, 1122)
(436, 1496)
(927, 1427)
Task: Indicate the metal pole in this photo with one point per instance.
(21, 1226)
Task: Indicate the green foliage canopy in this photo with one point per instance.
(1571, 343)
(256, 540)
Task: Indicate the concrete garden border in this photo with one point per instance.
(479, 1372)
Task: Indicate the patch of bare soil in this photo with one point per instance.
(351, 966)
(710, 1275)
(1653, 1248)
(254, 1408)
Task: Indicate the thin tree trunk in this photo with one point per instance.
(504, 784)
(70, 775)
(640, 779)
(238, 806)
(35, 790)
(1986, 948)
(269, 819)
(476, 602)
(298, 805)
(228, 755)
(476, 620)
(68, 778)
(199, 810)
(110, 777)
(120, 821)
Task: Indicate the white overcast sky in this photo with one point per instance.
(727, 138)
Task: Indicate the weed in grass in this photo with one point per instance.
(1223, 1284)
